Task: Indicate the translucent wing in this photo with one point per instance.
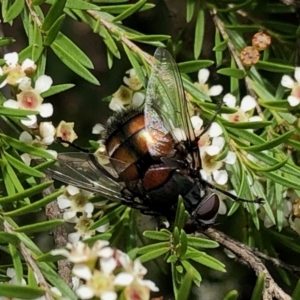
(166, 109)
(83, 171)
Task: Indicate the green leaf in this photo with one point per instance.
(25, 148)
(199, 33)
(4, 41)
(109, 41)
(108, 217)
(266, 169)
(157, 235)
(17, 262)
(185, 287)
(56, 89)
(22, 167)
(57, 281)
(8, 238)
(194, 91)
(277, 105)
(67, 56)
(37, 43)
(259, 287)
(282, 180)
(64, 42)
(296, 291)
(23, 292)
(274, 67)
(232, 295)
(14, 10)
(136, 65)
(181, 216)
(131, 10)
(119, 8)
(153, 254)
(271, 144)
(246, 125)
(40, 227)
(194, 65)
(52, 33)
(190, 8)
(53, 14)
(204, 259)
(221, 46)
(236, 73)
(12, 112)
(27, 193)
(148, 38)
(198, 242)
(189, 267)
(151, 247)
(33, 206)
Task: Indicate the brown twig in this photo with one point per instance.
(30, 261)
(247, 257)
(33, 14)
(60, 236)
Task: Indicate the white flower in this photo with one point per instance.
(288, 82)
(75, 200)
(47, 132)
(203, 75)
(79, 252)
(121, 98)
(98, 129)
(27, 138)
(247, 104)
(133, 80)
(137, 99)
(210, 145)
(30, 99)
(14, 72)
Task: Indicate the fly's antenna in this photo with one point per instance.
(59, 140)
(235, 198)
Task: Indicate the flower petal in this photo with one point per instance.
(297, 74)
(84, 292)
(73, 237)
(108, 295)
(222, 208)
(25, 137)
(287, 81)
(138, 99)
(82, 271)
(63, 202)
(27, 64)
(11, 59)
(247, 103)
(43, 84)
(255, 119)
(11, 104)
(31, 122)
(212, 150)
(25, 83)
(215, 129)
(215, 90)
(197, 122)
(218, 141)
(26, 158)
(230, 158)
(203, 75)
(46, 110)
(72, 190)
(98, 128)
(116, 104)
(229, 100)
(123, 279)
(293, 101)
(220, 176)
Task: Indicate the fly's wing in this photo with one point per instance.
(166, 109)
(83, 171)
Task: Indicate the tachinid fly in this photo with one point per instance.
(153, 156)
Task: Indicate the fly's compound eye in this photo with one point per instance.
(207, 210)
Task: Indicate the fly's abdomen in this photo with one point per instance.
(128, 144)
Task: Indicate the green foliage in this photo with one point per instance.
(266, 149)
